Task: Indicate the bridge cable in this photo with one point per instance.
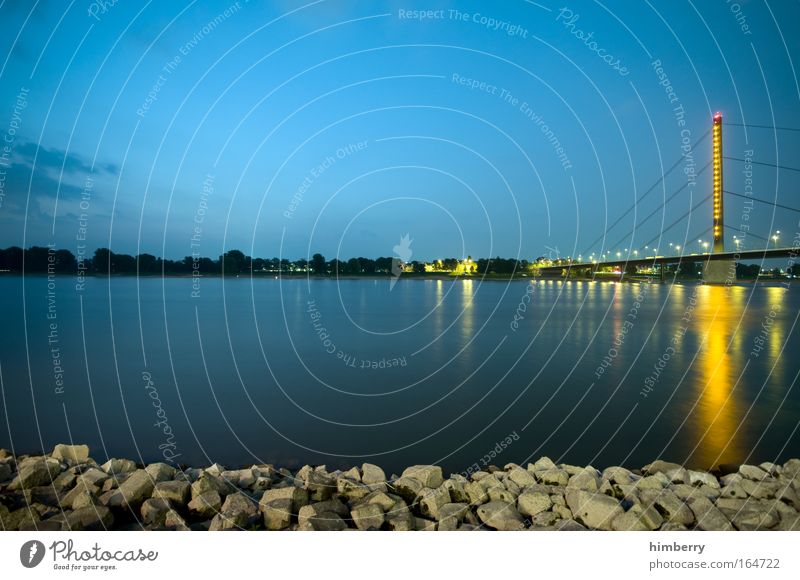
(646, 193)
(677, 221)
(780, 205)
(762, 163)
(764, 127)
(659, 208)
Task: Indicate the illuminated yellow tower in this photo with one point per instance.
(719, 225)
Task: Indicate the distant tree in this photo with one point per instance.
(418, 267)
(36, 258)
(101, 261)
(148, 264)
(65, 262)
(336, 267)
(383, 265)
(318, 264)
(234, 262)
(353, 266)
(11, 259)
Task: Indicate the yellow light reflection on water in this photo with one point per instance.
(720, 362)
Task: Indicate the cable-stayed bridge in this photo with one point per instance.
(719, 263)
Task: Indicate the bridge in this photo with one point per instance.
(719, 264)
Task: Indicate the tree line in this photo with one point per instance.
(38, 259)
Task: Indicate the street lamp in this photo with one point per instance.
(677, 248)
(705, 245)
(775, 237)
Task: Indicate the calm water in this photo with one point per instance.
(426, 371)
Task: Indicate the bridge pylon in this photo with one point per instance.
(718, 271)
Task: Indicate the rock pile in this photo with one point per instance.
(68, 490)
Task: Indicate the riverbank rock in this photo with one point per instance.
(67, 490)
(593, 510)
(72, 454)
(35, 471)
(501, 516)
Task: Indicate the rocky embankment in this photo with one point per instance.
(67, 490)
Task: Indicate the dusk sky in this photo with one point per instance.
(477, 128)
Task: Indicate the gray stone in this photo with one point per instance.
(320, 486)
(708, 516)
(593, 510)
(764, 489)
(238, 512)
(585, 480)
(628, 522)
(367, 516)
(552, 476)
(569, 526)
(174, 521)
(327, 522)
(117, 466)
(351, 489)
(315, 509)
(673, 509)
(277, 513)
(34, 472)
(659, 466)
(298, 497)
(533, 503)
(84, 498)
(176, 492)
(380, 498)
(159, 472)
(752, 472)
(521, 477)
(458, 493)
(133, 491)
(72, 454)
(542, 463)
(501, 494)
(430, 500)
(544, 519)
(408, 488)
(791, 468)
(427, 475)
(94, 476)
(423, 525)
(205, 505)
(789, 523)
(618, 475)
(63, 480)
(735, 490)
(501, 516)
(372, 474)
(210, 482)
(400, 521)
(771, 468)
(93, 518)
(154, 510)
(14, 520)
(750, 520)
(698, 478)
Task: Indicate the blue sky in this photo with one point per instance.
(338, 127)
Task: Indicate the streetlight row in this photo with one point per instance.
(676, 247)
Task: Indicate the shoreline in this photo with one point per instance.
(67, 490)
(427, 276)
